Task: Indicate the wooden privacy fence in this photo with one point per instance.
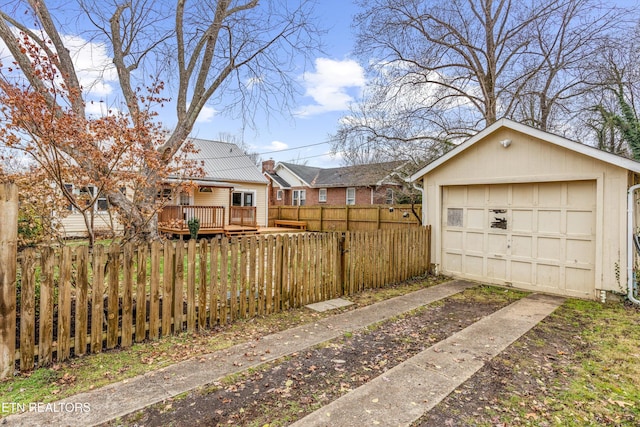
(72, 301)
(348, 218)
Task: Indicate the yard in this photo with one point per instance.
(577, 367)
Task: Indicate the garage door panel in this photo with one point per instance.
(522, 220)
(476, 219)
(580, 252)
(548, 276)
(549, 248)
(521, 272)
(474, 265)
(533, 235)
(550, 221)
(522, 246)
(577, 280)
(475, 242)
(580, 222)
(453, 263)
(498, 195)
(549, 195)
(453, 239)
(497, 244)
(580, 194)
(497, 268)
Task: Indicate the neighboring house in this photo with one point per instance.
(232, 192)
(520, 207)
(298, 185)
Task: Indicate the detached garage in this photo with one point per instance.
(517, 206)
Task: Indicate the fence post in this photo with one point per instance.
(8, 267)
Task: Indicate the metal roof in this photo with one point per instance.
(224, 161)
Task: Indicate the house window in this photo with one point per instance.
(185, 199)
(389, 199)
(205, 190)
(279, 195)
(351, 196)
(454, 217)
(299, 197)
(69, 189)
(85, 195)
(102, 204)
(322, 195)
(242, 198)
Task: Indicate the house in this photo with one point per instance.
(520, 207)
(296, 185)
(232, 195)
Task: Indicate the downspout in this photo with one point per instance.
(630, 248)
(424, 211)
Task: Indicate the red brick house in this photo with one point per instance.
(297, 185)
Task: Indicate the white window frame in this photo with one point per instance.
(322, 195)
(351, 200)
(299, 197)
(242, 197)
(390, 196)
(279, 194)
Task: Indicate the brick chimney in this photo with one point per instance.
(268, 165)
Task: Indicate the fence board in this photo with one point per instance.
(82, 294)
(178, 289)
(141, 293)
(113, 303)
(224, 279)
(191, 285)
(154, 292)
(253, 284)
(269, 247)
(242, 279)
(27, 310)
(97, 299)
(202, 286)
(126, 340)
(64, 306)
(45, 342)
(214, 282)
(168, 274)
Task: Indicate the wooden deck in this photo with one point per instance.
(173, 220)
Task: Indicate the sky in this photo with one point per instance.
(330, 84)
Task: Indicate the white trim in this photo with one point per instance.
(577, 147)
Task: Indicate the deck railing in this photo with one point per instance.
(243, 215)
(177, 217)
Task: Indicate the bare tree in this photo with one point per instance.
(239, 51)
(445, 69)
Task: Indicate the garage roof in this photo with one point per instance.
(587, 150)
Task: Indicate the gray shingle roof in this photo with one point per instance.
(223, 161)
(347, 176)
(279, 180)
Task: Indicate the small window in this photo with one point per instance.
(69, 189)
(389, 198)
(322, 195)
(299, 197)
(454, 217)
(351, 196)
(185, 199)
(102, 203)
(205, 190)
(279, 195)
(85, 195)
(242, 198)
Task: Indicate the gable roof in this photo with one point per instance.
(278, 180)
(223, 161)
(577, 147)
(347, 176)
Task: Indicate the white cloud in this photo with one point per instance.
(328, 85)
(276, 146)
(206, 114)
(94, 66)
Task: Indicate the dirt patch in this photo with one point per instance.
(287, 390)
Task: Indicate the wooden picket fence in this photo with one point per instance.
(73, 301)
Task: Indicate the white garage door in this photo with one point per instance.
(538, 236)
